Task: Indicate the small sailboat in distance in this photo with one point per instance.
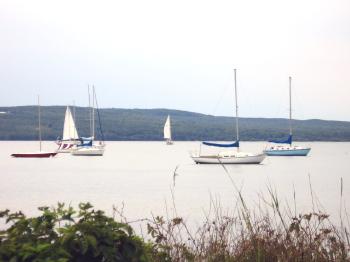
(284, 147)
(39, 154)
(229, 156)
(70, 137)
(167, 131)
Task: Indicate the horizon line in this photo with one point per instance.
(182, 110)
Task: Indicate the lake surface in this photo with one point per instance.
(140, 175)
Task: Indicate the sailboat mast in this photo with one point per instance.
(237, 130)
(89, 110)
(99, 117)
(39, 123)
(93, 112)
(290, 105)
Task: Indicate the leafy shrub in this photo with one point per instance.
(63, 234)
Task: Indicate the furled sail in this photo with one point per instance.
(167, 129)
(284, 141)
(69, 129)
(234, 144)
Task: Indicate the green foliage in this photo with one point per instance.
(64, 234)
(20, 123)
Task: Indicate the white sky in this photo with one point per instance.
(179, 55)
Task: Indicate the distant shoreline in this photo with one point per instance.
(147, 125)
(167, 109)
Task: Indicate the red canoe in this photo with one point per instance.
(35, 155)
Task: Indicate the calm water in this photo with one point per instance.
(140, 175)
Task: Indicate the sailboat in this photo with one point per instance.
(285, 147)
(87, 146)
(229, 156)
(70, 137)
(39, 154)
(167, 131)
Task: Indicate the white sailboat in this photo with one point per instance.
(285, 147)
(40, 153)
(70, 137)
(229, 156)
(167, 131)
(90, 150)
(89, 147)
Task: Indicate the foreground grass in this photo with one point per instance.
(308, 237)
(65, 234)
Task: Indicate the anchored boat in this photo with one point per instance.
(229, 156)
(88, 146)
(38, 154)
(284, 147)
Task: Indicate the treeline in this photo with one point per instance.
(21, 123)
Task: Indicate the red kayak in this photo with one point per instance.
(35, 154)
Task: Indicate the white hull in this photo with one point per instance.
(239, 158)
(89, 151)
(287, 150)
(64, 151)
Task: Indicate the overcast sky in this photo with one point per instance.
(179, 55)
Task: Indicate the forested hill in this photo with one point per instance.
(20, 123)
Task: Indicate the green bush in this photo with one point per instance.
(63, 234)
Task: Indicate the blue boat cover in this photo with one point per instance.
(85, 141)
(234, 144)
(285, 141)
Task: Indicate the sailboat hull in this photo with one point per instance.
(65, 150)
(216, 159)
(89, 151)
(289, 152)
(35, 155)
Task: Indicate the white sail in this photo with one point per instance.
(167, 129)
(69, 129)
